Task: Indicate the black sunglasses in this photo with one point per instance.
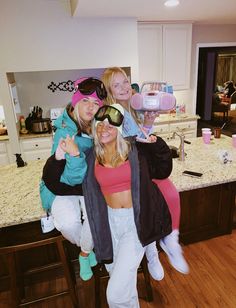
(114, 116)
(90, 85)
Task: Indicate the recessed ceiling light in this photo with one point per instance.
(172, 3)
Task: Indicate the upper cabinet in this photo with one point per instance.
(165, 53)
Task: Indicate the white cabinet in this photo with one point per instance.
(150, 52)
(36, 148)
(165, 53)
(4, 159)
(166, 129)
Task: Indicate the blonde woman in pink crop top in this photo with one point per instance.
(125, 208)
(119, 91)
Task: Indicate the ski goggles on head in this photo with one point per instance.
(91, 85)
(113, 115)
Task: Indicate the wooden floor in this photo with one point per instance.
(211, 282)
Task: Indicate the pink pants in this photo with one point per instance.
(172, 198)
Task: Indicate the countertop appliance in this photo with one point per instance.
(36, 124)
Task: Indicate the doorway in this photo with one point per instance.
(208, 77)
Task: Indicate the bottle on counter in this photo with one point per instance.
(23, 129)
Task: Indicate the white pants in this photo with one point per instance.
(128, 253)
(67, 213)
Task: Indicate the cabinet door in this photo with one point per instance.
(37, 155)
(36, 143)
(191, 125)
(4, 159)
(150, 52)
(36, 148)
(177, 42)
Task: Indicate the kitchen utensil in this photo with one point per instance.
(41, 126)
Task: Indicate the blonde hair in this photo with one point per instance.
(122, 146)
(84, 126)
(107, 77)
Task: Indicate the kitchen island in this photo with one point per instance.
(20, 202)
(207, 203)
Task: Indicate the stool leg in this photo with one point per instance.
(15, 299)
(97, 272)
(68, 273)
(147, 279)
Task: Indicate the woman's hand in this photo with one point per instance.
(149, 118)
(152, 138)
(69, 146)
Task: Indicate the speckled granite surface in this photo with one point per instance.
(19, 193)
(204, 158)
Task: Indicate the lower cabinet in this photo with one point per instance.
(36, 148)
(167, 129)
(207, 212)
(4, 153)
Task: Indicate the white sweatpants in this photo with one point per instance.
(67, 213)
(128, 253)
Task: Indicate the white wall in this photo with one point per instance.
(32, 88)
(41, 35)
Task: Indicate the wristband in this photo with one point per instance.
(148, 128)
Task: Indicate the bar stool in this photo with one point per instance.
(101, 273)
(9, 246)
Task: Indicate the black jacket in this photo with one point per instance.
(151, 213)
(52, 172)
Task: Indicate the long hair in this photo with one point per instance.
(73, 112)
(107, 77)
(122, 146)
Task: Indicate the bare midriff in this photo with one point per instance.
(119, 200)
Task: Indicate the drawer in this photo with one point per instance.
(160, 129)
(36, 143)
(3, 148)
(183, 125)
(37, 155)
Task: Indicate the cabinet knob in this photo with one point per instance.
(36, 145)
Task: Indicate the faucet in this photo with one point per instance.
(181, 146)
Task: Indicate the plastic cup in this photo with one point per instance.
(234, 140)
(206, 130)
(206, 136)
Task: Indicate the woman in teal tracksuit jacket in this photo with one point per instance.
(66, 203)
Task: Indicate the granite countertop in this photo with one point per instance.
(30, 135)
(26, 136)
(4, 137)
(204, 158)
(19, 194)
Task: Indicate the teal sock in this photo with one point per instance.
(85, 268)
(92, 259)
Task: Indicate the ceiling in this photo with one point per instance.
(196, 11)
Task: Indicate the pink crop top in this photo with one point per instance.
(112, 180)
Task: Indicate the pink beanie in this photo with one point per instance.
(77, 96)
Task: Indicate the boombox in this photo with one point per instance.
(153, 101)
